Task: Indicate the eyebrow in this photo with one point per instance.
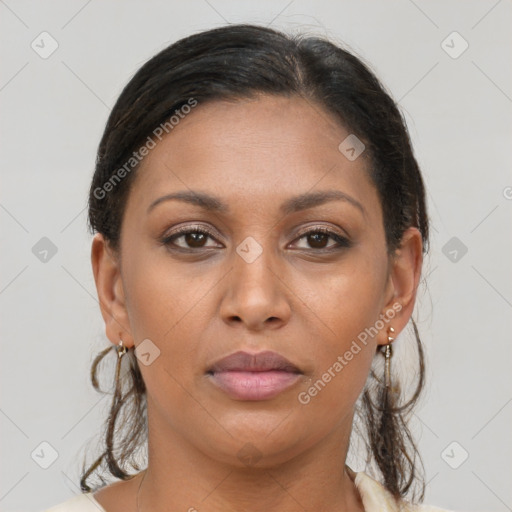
(291, 205)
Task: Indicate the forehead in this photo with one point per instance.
(253, 151)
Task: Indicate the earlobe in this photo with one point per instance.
(109, 287)
(404, 279)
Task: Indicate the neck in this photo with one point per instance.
(180, 477)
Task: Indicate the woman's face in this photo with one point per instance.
(256, 281)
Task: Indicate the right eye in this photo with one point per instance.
(194, 237)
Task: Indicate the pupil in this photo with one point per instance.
(316, 237)
(193, 238)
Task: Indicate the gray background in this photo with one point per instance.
(53, 112)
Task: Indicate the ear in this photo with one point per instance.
(109, 286)
(404, 275)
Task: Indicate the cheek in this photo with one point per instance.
(346, 300)
(346, 306)
(168, 308)
(160, 307)
(159, 298)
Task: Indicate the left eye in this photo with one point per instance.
(192, 236)
(316, 238)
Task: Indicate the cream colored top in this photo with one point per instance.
(375, 497)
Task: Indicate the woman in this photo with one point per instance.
(260, 227)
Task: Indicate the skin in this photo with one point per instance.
(297, 298)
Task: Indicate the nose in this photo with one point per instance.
(256, 293)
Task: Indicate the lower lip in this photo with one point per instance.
(254, 385)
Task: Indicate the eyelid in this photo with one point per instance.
(192, 227)
(321, 228)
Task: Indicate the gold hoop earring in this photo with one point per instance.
(121, 350)
(387, 363)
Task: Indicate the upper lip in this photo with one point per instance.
(256, 362)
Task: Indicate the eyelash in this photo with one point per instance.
(340, 240)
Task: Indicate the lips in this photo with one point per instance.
(260, 376)
(259, 362)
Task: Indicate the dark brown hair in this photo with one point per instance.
(241, 61)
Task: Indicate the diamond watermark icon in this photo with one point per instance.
(454, 45)
(249, 249)
(146, 352)
(351, 147)
(44, 250)
(454, 455)
(249, 454)
(454, 249)
(44, 45)
(44, 455)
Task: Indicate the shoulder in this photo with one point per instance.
(84, 502)
(376, 498)
(428, 508)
